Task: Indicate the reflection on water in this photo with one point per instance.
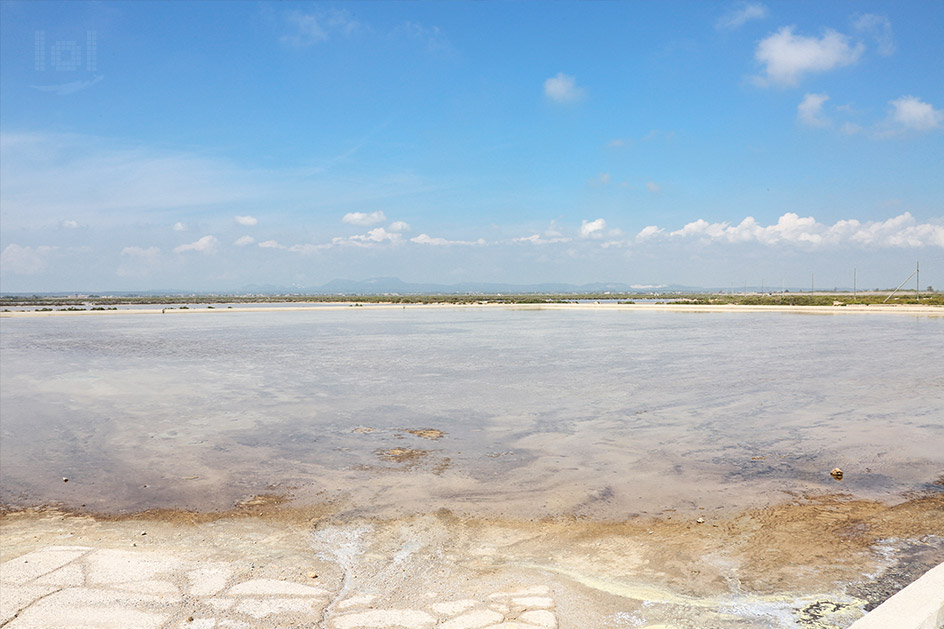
(530, 412)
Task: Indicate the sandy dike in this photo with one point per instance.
(815, 562)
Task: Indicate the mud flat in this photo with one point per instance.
(467, 467)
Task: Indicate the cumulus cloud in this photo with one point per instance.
(899, 231)
(810, 110)
(243, 241)
(399, 226)
(880, 28)
(70, 224)
(426, 239)
(25, 260)
(650, 231)
(653, 187)
(740, 15)
(248, 221)
(179, 227)
(603, 179)
(563, 89)
(271, 244)
(538, 239)
(364, 219)
(787, 57)
(913, 114)
(207, 244)
(378, 234)
(592, 229)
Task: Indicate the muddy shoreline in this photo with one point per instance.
(819, 560)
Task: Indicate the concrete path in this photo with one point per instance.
(79, 586)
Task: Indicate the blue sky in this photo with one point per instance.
(214, 145)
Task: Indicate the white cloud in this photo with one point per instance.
(741, 15)
(592, 229)
(603, 178)
(653, 187)
(243, 241)
(141, 252)
(308, 29)
(207, 244)
(304, 249)
(650, 231)
(900, 231)
(102, 182)
(70, 224)
(376, 235)
(563, 89)
(913, 114)
(179, 227)
(248, 221)
(810, 110)
(787, 57)
(616, 143)
(106, 183)
(399, 226)
(550, 236)
(364, 219)
(25, 260)
(880, 28)
(426, 239)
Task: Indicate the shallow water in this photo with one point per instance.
(544, 412)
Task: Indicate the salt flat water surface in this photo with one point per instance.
(483, 410)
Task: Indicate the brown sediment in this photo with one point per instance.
(409, 456)
(829, 536)
(815, 549)
(426, 433)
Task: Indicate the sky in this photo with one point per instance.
(211, 146)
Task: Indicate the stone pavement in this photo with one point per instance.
(81, 586)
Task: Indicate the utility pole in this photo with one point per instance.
(853, 284)
(918, 281)
(812, 282)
